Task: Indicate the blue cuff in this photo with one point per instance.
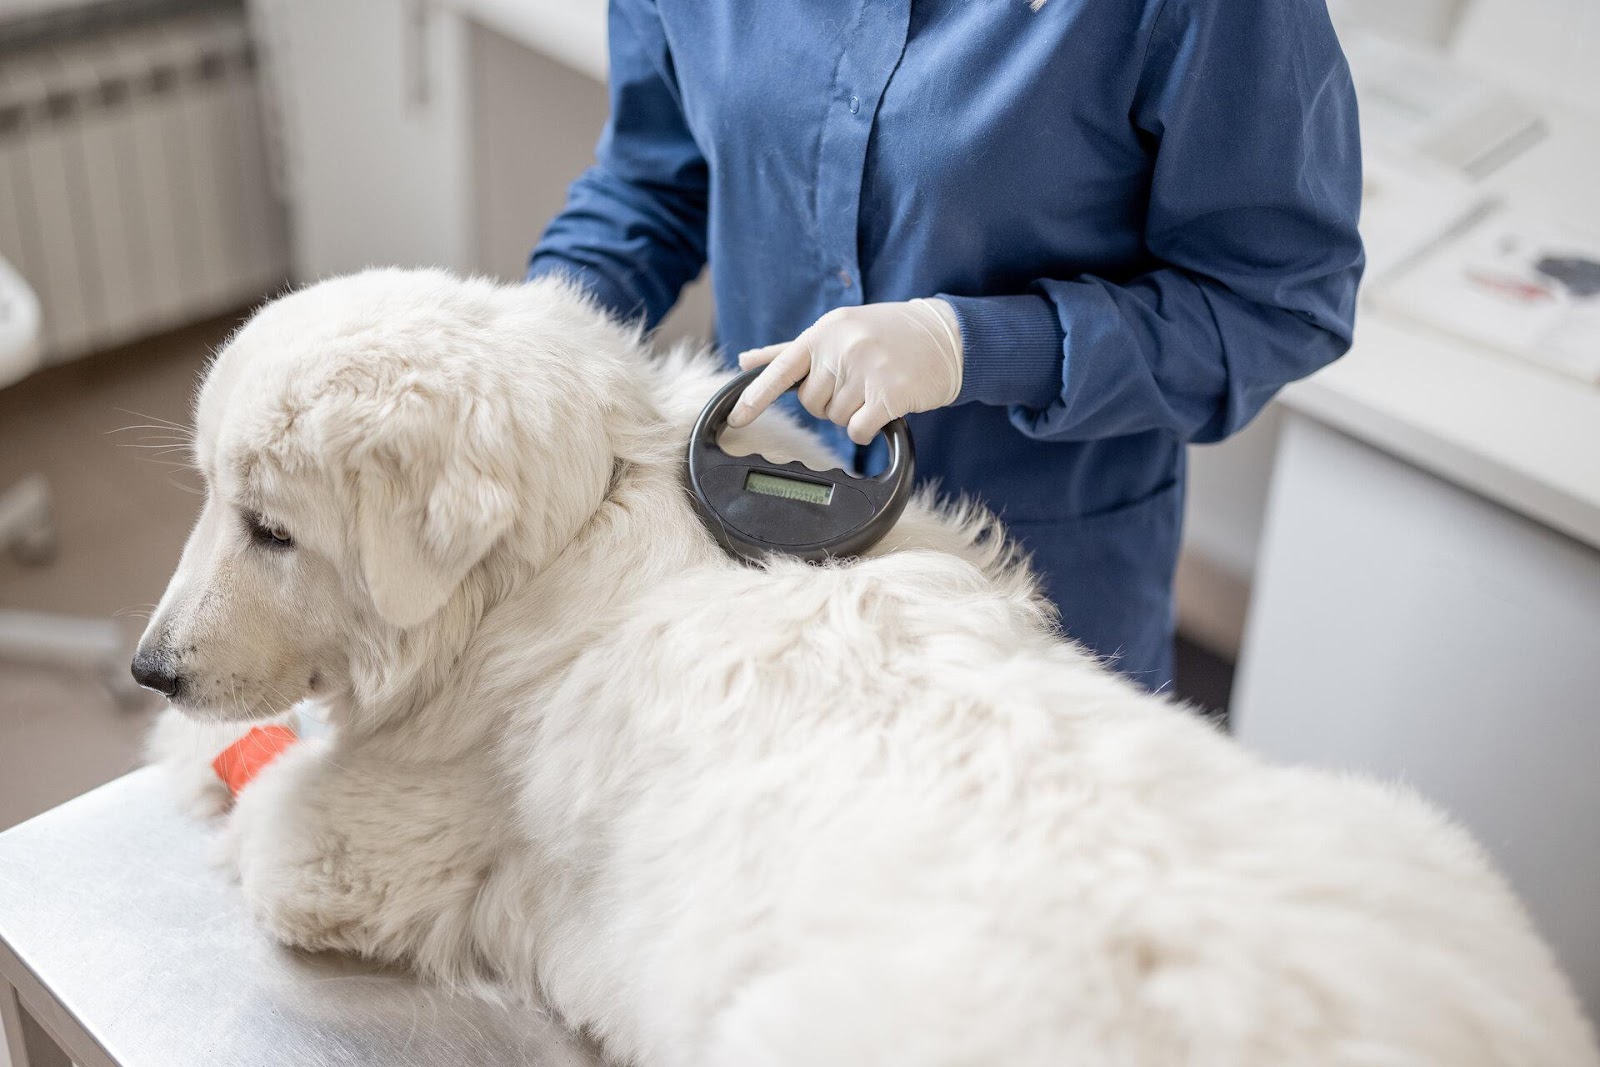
(622, 302)
(1011, 349)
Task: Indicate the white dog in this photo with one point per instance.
(876, 813)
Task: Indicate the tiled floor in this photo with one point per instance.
(122, 514)
(123, 507)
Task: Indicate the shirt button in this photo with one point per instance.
(855, 104)
(844, 278)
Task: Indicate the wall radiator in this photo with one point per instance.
(135, 187)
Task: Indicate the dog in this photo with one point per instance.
(716, 814)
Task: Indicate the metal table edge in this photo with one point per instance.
(58, 1023)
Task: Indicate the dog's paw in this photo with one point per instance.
(308, 901)
(301, 918)
(183, 750)
(293, 862)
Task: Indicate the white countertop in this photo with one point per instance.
(1524, 437)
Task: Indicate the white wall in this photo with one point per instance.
(372, 104)
(534, 125)
(1420, 21)
(1543, 48)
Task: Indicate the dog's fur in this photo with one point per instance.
(876, 813)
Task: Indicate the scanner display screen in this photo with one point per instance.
(788, 488)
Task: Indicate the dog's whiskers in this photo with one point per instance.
(166, 424)
(157, 442)
(167, 463)
(170, 431)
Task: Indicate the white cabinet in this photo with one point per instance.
(1410, 629)
(371, 103)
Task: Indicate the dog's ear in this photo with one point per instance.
(425, 516)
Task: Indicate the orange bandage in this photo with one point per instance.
(241, 761)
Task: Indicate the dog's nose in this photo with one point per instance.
(156, 671)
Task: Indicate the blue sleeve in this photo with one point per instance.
(633, 231)
(1254, 195)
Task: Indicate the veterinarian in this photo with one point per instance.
(1066, 239)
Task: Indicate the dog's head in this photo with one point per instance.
(366, 444)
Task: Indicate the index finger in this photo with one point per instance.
(787, 369)
(760, 357)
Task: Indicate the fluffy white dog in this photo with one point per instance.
(876, 813)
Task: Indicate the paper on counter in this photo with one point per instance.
(1514, 282)
(1408, 206)
(1415, 101)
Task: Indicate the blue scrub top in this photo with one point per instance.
(1143, 212)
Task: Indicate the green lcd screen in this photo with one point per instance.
(788, 488)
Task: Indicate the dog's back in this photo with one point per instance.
(879, 814)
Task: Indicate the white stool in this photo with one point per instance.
(121, 946)
(26, 529)
(24, 508)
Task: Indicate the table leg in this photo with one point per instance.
(26, 1043)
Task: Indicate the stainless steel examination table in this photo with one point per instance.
(122, 945)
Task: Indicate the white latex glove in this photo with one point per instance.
(862, 366)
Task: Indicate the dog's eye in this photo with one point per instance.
(265, 533)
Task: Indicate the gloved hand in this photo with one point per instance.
(862, 366)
